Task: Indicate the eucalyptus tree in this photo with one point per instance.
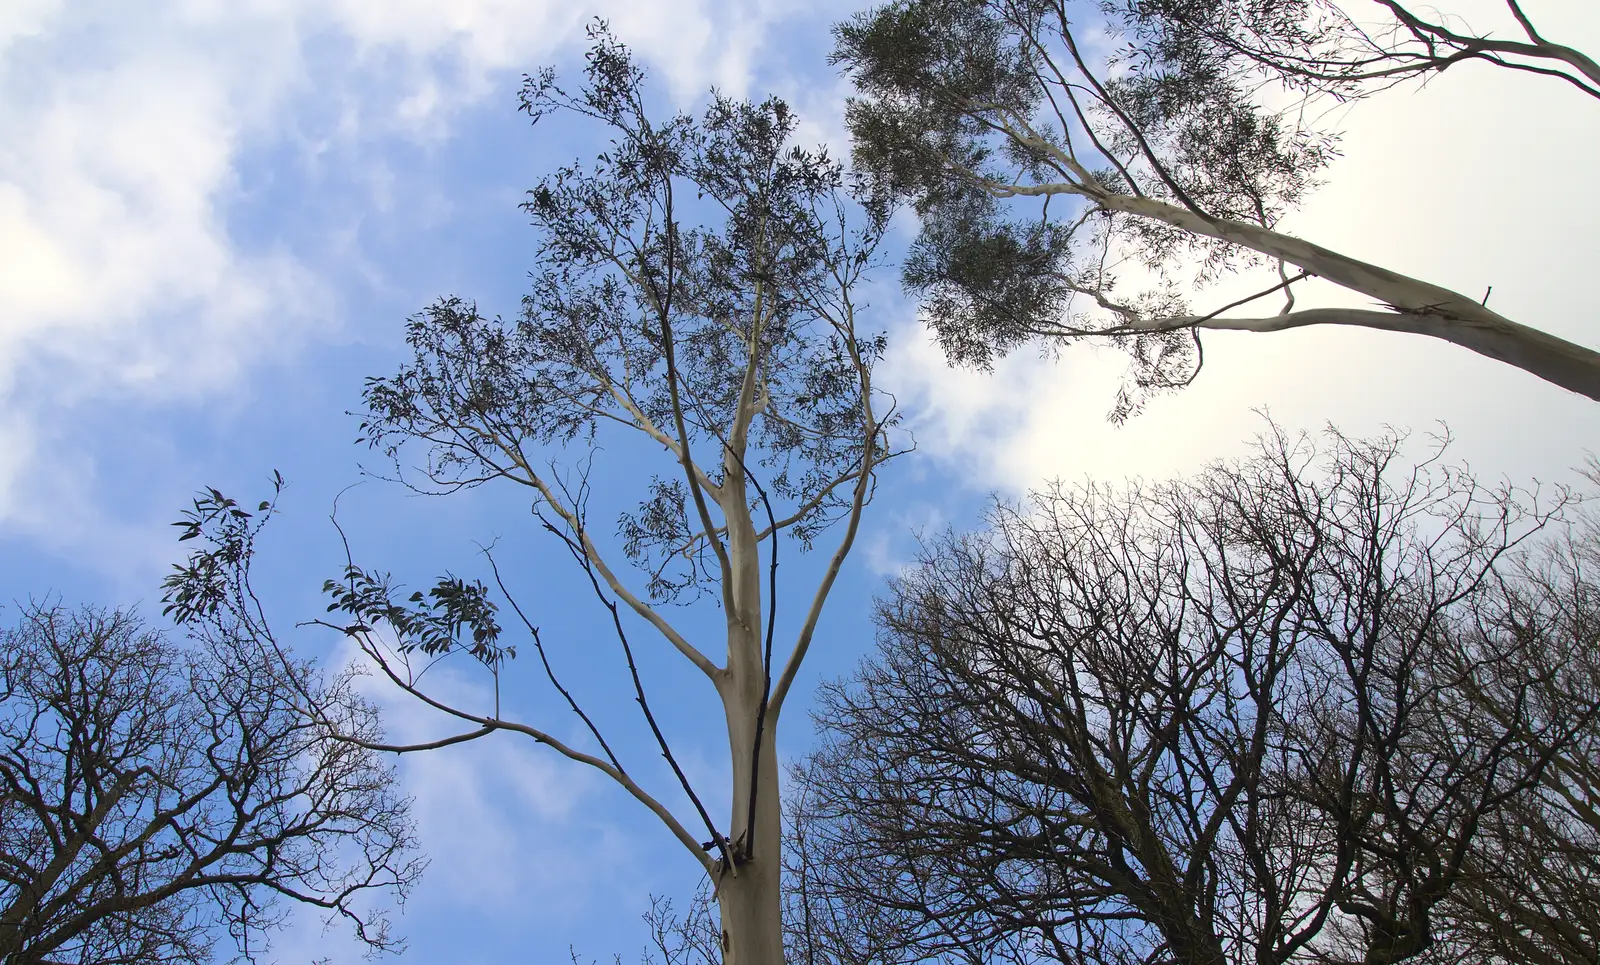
(154, 793)
(1040, 164)
(1308, 707)
(732, 352)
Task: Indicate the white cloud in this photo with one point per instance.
(25, 18)
(110, 183)
(127, 128)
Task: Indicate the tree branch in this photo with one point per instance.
(489, 725)
(1430, 309)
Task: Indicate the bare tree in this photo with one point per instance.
(1041, 170)
(1532, 888)
(1310, 707)
(732, 354)
(152, 793)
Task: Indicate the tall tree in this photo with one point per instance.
(1300, 708)
(152, 793)
(732, 353)
(1038, 166)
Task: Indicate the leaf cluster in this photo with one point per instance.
(988, 114)
(452, 615)
(196, 590)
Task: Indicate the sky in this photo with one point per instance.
(216, 216)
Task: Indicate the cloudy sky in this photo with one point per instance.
(215, 217)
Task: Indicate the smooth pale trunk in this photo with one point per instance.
(748, 895)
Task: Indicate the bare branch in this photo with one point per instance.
(489, 725)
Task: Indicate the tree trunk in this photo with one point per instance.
(748, 895)
(1420, 307)
(752, 923)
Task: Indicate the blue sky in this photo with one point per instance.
(215, 217)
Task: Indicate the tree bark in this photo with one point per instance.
(749, 895)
